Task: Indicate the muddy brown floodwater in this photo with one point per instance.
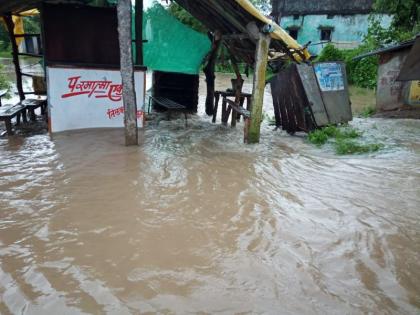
(193, 221)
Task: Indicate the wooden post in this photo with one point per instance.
(127, 72)
(209, 70)
(139, 31)
(238, 86)
(261, 58)
(10, 27)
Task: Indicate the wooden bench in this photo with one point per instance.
(8, 112)
(170, 106)
(32, 104)
(239, 110)
(225, 110)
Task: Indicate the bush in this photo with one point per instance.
(330, 53)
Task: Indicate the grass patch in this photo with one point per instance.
(5, 54)
(361, 98)
(367, 112)
(343, 140)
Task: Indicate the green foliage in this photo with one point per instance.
(4, 38)
(345, 146)
(330, 53)
(185, 17)
(405, 22)
(31, 24)
(343, 140)
(377, 36)
(320, 136)
(406, 14)
(5, 84)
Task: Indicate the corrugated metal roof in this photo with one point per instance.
(231, 18)
(400, 46)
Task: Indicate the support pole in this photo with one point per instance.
(10, 27)
(127, 72)
(139, 31)
(209, 70)
(252, 132)
(238, 87)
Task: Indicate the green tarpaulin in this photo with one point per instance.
(171, 46)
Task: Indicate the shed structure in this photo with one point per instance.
(391, 92)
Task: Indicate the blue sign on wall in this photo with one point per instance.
(330, 76)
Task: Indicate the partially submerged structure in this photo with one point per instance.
(340, 22)
(84, 49)
(250, 37)
(175, 53)
(398, 75)
(89, 72)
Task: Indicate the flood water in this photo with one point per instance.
(193, 221)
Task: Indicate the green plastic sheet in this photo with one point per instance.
(171, 46)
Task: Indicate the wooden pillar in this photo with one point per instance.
(139, 31)
(10, 27)
(127, 71)
(238, 87)
(209, 70)
(252, 131)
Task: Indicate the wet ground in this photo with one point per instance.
(193, 221)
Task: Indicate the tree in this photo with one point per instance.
(406, 13)
(405, 23)
(32, 24)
